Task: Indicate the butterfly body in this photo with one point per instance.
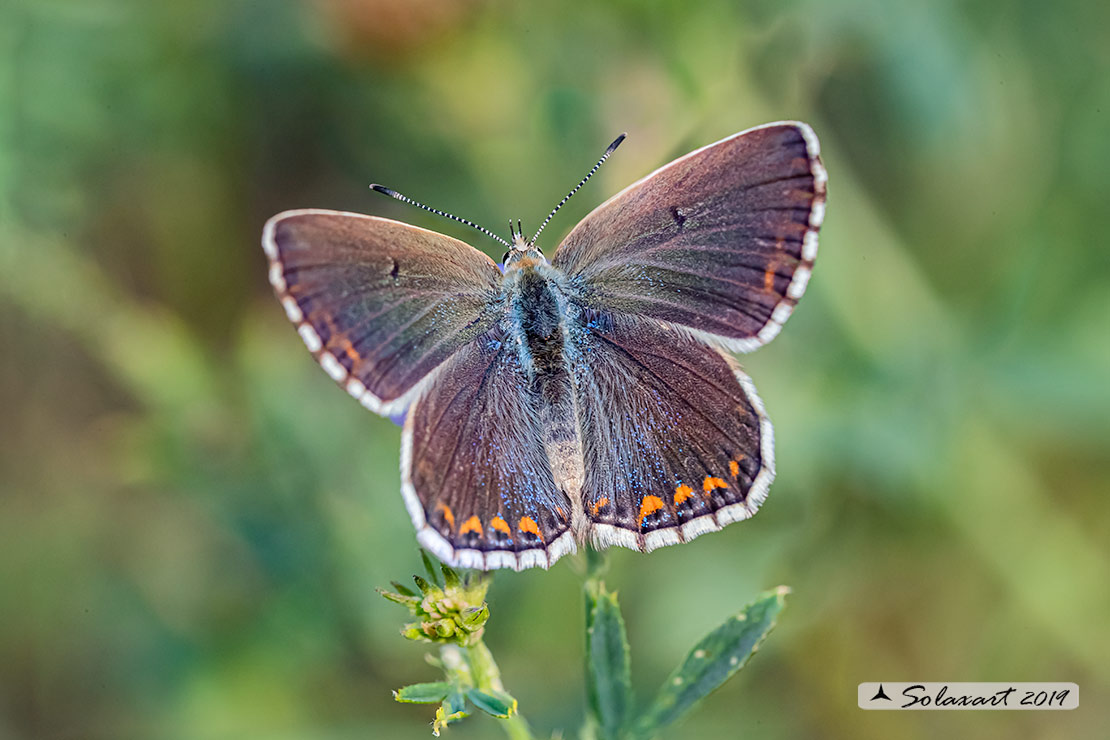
(591, 398)
(542, 323)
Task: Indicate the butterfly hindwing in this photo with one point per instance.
(379, 303)
(675, 440)
(475, 474)
(720, 241)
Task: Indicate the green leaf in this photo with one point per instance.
(608, 668)
(424, 586)
(423, 693)
(714, 660)
(401, 599)
(451, 710)
(433, 572)
(455, 703)
(450, 576)
(492, 701)
(443, 719)
(403, 590)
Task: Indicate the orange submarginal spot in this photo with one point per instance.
(682, 493)
(473, 524)
(734, 468)
(600, 504)
(343, 343)
(500, 525)
(328, 321)
(649, 506)
(769, 277)
(711, 483)
(528, 524)
(448, 515)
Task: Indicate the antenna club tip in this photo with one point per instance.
(616, 142)
(384, 190)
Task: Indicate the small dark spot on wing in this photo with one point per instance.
(678, 216)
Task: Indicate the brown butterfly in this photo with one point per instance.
(589, 398)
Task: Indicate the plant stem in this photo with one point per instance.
(597, 562)
(487, 676)
(516, 727)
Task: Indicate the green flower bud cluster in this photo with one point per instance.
(449, 608)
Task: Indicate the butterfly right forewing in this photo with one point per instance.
(720, 241)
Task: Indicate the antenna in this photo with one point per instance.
(405, 199)
(612, 148)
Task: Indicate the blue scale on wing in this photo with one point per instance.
(670, 433)
(478, 465)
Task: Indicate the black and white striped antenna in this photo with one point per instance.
(612, 148)
(518, 233)
(405, 199)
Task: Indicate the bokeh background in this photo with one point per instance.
(194, 518)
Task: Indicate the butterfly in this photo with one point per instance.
(590, 398)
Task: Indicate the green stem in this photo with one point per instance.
(516, 727)
(483, 668)
(597, 562)
(487, 676)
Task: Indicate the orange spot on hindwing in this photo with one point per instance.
(682, 493)
(711, 483)
(734, 468)
(600, 504)
(448, 515)
(649, 506)
(500, 525)
(473, 524)
(528, 524)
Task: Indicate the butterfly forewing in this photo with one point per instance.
(379, 303)
(475, 474)
(676, 443)
(720, 241)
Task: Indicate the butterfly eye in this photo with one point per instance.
(505, 257)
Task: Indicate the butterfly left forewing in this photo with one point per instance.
(675, 440)
(379, 303)
(720, 242)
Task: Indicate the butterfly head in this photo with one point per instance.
(522, 250)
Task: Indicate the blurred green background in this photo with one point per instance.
(193, 517)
